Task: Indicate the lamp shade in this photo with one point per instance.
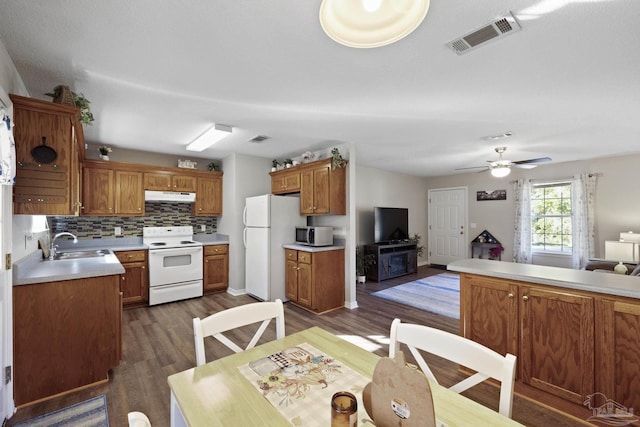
(210, 137)
(371, 23)
(500, 171)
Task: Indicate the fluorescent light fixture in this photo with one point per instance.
(210, 137)
(371, 23)
(500, 171)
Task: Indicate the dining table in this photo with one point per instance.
(224, 393)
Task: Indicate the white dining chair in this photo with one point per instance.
(232, 318)
(138, 419)
(486, 362)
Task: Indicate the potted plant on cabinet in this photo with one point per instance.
(63, 95)
(363, 263)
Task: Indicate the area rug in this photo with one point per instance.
(438, 294)
(90, 413)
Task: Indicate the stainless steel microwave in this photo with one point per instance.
(314, 236)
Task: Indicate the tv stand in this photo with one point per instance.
(392, 260)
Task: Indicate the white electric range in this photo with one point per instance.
(175, 264)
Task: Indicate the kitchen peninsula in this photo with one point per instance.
(574, 332)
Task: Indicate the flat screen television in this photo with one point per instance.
(391, 225)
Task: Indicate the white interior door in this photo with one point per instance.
(6, 314)
(447, 225)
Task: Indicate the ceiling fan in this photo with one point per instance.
(502, 167)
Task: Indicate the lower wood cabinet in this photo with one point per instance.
(134, 283)
(216, 269)
(618, 350)
(66, 335)
(315, 280)
(569, 344)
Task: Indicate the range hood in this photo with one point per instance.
(169, 196)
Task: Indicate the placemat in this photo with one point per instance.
(300, 381)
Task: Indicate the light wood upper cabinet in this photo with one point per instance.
(209, 195)
(285, 181)
(169, 182)
(49, 188)
(108, 191)
(322, 189)
(129, 193)
(115, 188)
(98, 191)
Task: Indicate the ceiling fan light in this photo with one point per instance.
(500, 171)
(368, 23)
(210, 137)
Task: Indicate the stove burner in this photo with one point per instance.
(158, 244)
(187, 242)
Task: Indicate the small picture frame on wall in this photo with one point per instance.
(491, 195)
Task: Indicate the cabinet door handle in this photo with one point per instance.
(510, 295)
(525, 298)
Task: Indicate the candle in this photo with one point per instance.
(344, 410)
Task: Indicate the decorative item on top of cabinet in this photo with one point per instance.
(315, 280)
(216, 268)
(134, 283)
(51, 187)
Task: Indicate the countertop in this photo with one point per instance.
(583, 280)
(306, 248)
(33, 269)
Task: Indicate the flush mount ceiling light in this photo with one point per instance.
(210, 137)
(371, 23)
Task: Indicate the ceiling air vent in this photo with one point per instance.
(259, 138)
(500, 27)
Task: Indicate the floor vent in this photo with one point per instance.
(500, 27)
(259, 138)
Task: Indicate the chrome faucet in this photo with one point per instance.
(53, 248)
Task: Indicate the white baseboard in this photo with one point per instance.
(236, 292)
(351, 305)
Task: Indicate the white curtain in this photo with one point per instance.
(583, 190)
(522, 226)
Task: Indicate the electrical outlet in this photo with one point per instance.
(203, 228)
(117, 231)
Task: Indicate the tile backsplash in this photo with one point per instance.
(157, 214)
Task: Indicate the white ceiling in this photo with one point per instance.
(159, 72)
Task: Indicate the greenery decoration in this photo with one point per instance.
(214, 166)
(416, 239)
(104, 150)
(364, 262)
(336, 159)
(86, 116)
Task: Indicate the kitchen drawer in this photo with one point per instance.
(131, 256)
(304, 257)
(216, 249)
(291, 254)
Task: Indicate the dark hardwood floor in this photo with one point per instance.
(158, 342)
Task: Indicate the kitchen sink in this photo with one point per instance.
(61, 255)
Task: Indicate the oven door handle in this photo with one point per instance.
(174, 252)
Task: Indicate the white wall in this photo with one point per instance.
(244, 176)
(617, 208)
(376, 187)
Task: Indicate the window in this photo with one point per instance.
(551, 217)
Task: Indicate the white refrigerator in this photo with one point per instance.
(269, 222)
